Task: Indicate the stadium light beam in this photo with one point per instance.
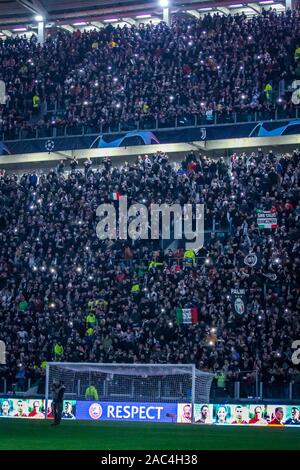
(164, 3)
(39, 18)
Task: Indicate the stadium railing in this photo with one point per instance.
(149, 123)
(239, 390)
(247, 386)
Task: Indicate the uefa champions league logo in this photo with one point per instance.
(49, 145)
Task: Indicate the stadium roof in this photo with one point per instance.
(21, 14)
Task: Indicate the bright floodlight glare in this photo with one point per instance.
(164, 3)
(39, 18)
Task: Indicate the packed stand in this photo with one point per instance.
(197, 68)
(65, 295)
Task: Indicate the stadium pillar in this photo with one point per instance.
(166, 15)
(41, 32)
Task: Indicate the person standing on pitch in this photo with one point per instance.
(58, 390)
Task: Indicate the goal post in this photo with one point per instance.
(139, 383)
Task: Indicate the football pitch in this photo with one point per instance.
(25, 434)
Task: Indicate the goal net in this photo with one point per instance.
(159, 383)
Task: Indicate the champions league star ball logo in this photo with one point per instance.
(95, 411)
(49, 145)
(239, 306)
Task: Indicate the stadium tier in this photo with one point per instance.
(196, 68)
(232, 308)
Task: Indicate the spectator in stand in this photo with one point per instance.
(197, 68)
(91, 393)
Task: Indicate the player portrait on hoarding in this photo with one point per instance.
(68, 411)
(204, 417)
(5, 408)
(21, 409)
(185, 415)
(50, 411)
(36, 410)
(258, 418)
(276, 417)
(294, 418)
(238, 416)
(221, 414)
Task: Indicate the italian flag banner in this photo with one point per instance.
(114, 196)
(266, 219)
(187, 315)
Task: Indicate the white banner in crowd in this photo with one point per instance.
(2, 92)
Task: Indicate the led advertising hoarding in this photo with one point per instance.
(154, 412)
(215, 414)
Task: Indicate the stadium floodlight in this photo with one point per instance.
(164, 3)
(39, 18)
(131, 383)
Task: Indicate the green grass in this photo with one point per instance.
(28, 434)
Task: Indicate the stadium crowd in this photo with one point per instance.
(66, 295)
(197, 67)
